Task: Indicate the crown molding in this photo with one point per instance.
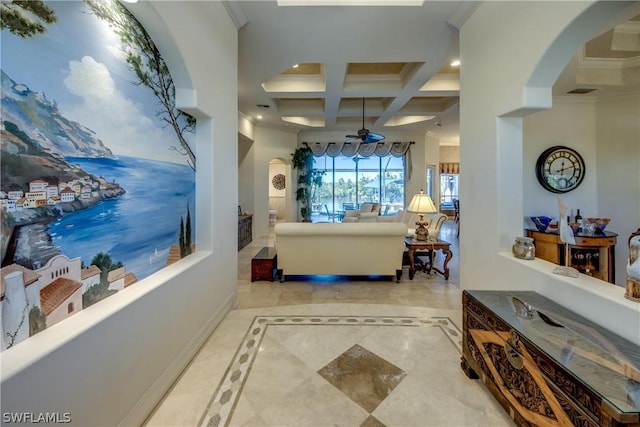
(462, 13)
(236, 12)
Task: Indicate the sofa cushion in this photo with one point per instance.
(366, 207)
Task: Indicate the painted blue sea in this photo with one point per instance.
(137, 228)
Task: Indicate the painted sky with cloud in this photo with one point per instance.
(79, 64)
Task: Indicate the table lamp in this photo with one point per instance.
(421, 204)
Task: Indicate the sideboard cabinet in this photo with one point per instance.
(593, 255)
(546, 365)
(245, 230)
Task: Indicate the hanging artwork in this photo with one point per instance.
(278, 182)
(98, 171)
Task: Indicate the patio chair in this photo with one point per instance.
(330, 215)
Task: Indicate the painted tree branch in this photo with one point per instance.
(145, 60)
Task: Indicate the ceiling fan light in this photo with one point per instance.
(363, 134)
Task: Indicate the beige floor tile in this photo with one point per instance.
(281, 385)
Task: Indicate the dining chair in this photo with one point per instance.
(456, 218)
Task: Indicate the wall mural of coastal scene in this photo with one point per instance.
(97, 185)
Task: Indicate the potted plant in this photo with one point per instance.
(302, 159)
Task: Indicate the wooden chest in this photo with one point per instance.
(264, 264)
(546, 365)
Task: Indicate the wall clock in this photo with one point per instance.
(560, 169)
(278, 181)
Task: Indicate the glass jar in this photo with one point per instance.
(524, 248)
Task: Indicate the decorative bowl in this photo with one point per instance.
(541, 222)
(601, 223)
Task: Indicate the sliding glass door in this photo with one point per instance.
(348, 182)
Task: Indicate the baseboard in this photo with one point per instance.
(147, 403)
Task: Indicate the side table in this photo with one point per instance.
(264, 264)
(430, 245)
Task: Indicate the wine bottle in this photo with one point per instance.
(579, 220)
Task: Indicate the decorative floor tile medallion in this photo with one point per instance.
(363, 376)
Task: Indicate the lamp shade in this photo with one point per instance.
(421, 204)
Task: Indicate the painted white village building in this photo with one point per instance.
(116, 279)
(16, 194)
(56, 289)
(89, 277)
(38, 185)
(67, 195)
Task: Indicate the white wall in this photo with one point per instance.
(278, 198)
(271, 144)
(607, 135)
(618, 169)
(571, 123)
(512, 52)
(112, 362)
(246, 173)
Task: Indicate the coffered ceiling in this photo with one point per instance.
(606, 65)
(309, 68)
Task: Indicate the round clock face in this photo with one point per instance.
(560, 169)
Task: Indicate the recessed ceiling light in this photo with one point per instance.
(259, 117)
(455, 63)
(295, 65)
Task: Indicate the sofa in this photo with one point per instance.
(368, 212)
(351, 249)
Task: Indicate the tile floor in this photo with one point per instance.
(334, 353)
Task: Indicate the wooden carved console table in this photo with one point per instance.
(428, 245)
(245, 230)
(592, 254)
(546, 365)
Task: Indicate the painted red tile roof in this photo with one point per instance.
(116, 274)
(174, 254)
(130, 279)
(55, 293)
(29, 276)
(89, 272)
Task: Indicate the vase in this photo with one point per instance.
(524, 248)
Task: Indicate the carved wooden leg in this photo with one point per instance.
(412, 264)
(448, 255)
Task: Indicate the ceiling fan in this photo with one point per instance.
(364, 135)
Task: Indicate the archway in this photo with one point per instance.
(279, 190)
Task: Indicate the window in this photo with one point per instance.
(448, 189)
(350, 181)
(70, 308)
